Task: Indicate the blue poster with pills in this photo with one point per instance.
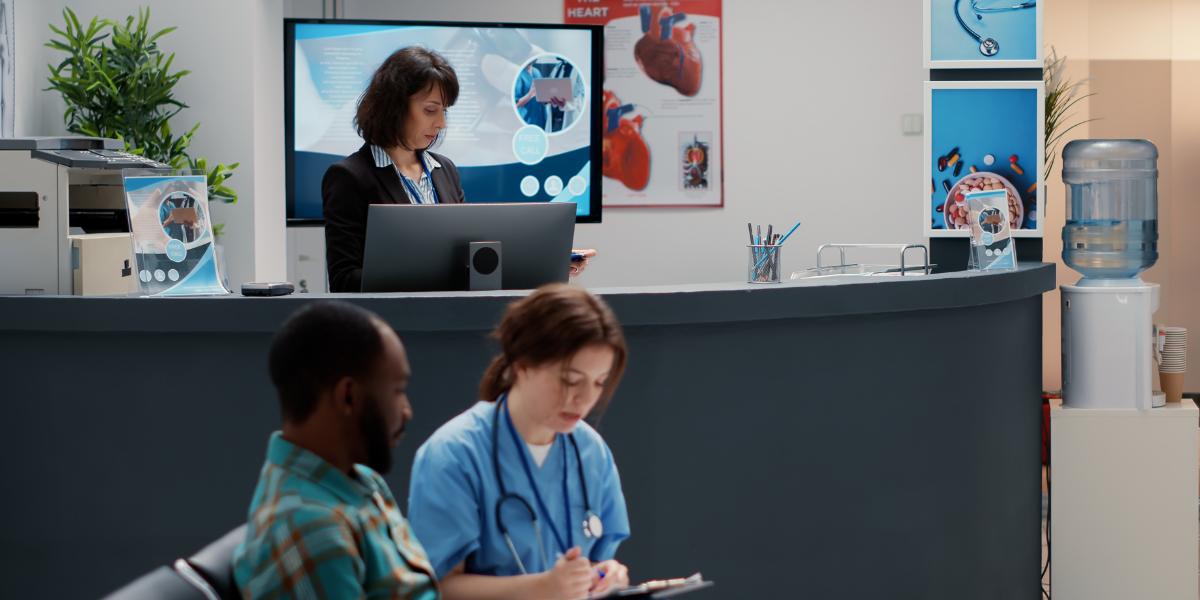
(172, 233)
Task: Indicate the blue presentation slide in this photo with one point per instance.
(508, 145)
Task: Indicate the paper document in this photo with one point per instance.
(663, 588)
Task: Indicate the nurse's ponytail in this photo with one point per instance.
(549, 325)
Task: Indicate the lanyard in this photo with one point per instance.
(410, 185)
(533, 484)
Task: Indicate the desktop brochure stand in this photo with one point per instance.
(171, 230)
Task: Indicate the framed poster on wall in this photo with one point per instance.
(662, 101)
(981, 136)
(982, 34)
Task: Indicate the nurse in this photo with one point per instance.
(518, 497)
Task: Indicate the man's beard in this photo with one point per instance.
(376, 436)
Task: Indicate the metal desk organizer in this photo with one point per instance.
(864, 269)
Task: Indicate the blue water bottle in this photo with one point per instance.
(1111, 229)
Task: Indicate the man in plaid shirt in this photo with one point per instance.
(323, 524)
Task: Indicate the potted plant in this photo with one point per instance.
(117, 84)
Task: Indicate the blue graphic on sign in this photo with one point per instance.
(530, 144)
(175, 251)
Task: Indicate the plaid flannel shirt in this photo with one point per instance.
(315, 533)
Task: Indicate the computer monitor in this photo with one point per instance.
(536, 152)
(423, 247)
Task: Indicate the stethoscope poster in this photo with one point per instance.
(983, 136)
(981, 34)
(661, 100)
(172, 233)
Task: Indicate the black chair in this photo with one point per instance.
(211, 569)
(162, 583)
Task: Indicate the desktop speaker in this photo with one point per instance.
(485, 261)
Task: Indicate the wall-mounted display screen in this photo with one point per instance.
(525, 128)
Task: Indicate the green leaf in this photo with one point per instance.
(162, 33)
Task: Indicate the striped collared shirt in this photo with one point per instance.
(315, 533)
(424, 187)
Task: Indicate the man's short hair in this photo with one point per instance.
(316, 347)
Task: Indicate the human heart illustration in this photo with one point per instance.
(626, 155)
(666, 53)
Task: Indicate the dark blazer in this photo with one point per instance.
(352, 184)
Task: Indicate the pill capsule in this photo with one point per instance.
(932, 187)
(946, 184)
(989, 159)
(941, 208)
(1032, 189)
(957, 169)
(941, 163)
(953, 159)
(952, 152)
(1017, 168)
(973, 169)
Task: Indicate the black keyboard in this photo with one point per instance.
(97, 159)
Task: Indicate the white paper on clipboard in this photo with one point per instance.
(655, 590)
(554, 87)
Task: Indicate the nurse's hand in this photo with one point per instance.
(615, 573)
(571, 577)
(577, 266)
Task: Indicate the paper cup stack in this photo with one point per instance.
(1173, 364)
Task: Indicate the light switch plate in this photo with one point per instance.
(911, 124)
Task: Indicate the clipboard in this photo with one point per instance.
(554, 87)
(185, 216)
(656, 590)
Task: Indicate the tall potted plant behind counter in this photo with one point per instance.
(117, 84)
(1060, 97)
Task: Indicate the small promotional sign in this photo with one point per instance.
(172, 233)
(992, 246)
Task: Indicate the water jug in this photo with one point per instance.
(1112, 207)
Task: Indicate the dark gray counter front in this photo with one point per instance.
(827, 438)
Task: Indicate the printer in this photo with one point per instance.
(49, 188)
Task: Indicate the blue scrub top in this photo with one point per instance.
(534, 112)
(453, 495)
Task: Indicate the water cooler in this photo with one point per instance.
(1111, 235)
(1123, 477)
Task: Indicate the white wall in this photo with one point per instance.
(234, 50)
(814, 92)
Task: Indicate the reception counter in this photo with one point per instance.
(837, 437)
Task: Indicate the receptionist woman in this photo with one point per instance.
(401, 115)
(518, 497)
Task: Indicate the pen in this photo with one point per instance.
(558, 555)
(784, 239)
(769, 227)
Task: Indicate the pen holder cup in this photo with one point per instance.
(763, 265)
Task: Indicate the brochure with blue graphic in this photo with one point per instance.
(171, 232)
(991, 236)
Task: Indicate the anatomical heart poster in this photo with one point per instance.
(662, 100)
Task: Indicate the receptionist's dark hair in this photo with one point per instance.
(552, 324)
(316, 347)
(382, 116)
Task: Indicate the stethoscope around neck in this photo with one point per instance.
(593, 527)
(987, 47)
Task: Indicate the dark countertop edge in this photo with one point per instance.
(476, 311)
